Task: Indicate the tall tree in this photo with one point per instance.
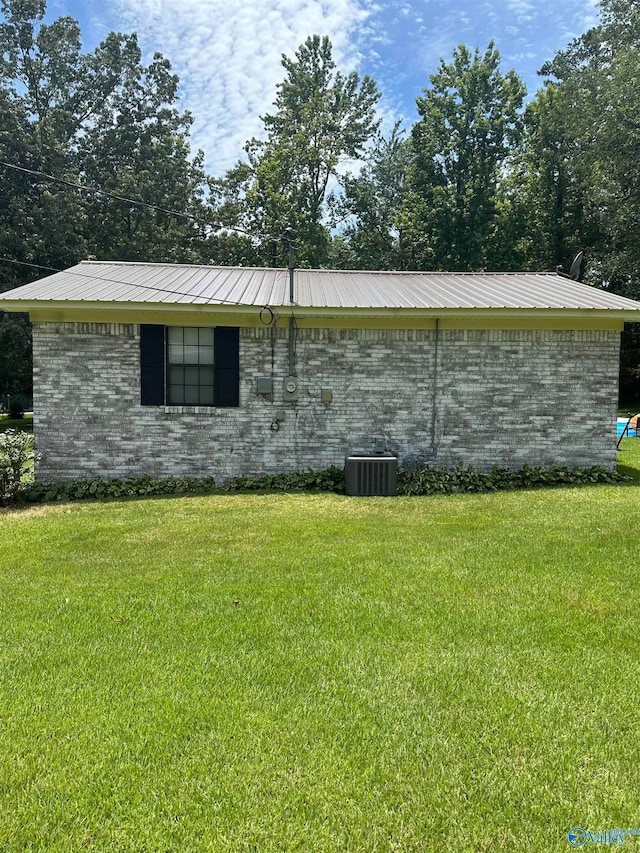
(102, 119)
(373, 234)
(43, 101)
(137, 147)
(38, 223)
(470, 122)
(546, 184)
(596, 78)
(596, 81)
(322, 118)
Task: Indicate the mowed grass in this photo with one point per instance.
(24, 424)
(320, 673)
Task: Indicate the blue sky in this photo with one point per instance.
(227, 52)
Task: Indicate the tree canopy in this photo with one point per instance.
(322, 118)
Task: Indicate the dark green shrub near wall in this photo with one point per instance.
(329, 480)
(432, 481)
(97, 488)
(419, 481)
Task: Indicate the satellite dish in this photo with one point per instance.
(576, 266)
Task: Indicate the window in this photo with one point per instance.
(189, 366)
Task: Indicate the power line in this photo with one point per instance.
(128, 284)
(26, 264)
(136, 202)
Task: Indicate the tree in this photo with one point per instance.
(371, 204)
(546, 185)
(99, 119)
(42, 102)
(38, 223)
(15, 346)
(596, 84)
(596, 78)
(102, 119)
(322, 118)
(137, 147)
(618, 164)
(470, 123)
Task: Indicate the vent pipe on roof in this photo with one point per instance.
(289, 235)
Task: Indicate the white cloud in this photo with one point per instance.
(524, 10)
(227, 54)
(588, 16)
(490, 13)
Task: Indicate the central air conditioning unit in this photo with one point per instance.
(371, 475)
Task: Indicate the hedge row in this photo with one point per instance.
(421, 481)
(97, 488)
(432, 481)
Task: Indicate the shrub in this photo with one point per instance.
(97, 488)
(329, 480)
(17, 455)
(414, 481)
(432, 481)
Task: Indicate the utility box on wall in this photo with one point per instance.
(290, 389)
(371, 475)
(264, 385)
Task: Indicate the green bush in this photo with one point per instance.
(414, 481)
(329, 480)
(17, 455)
(432, 481)
(97, 488)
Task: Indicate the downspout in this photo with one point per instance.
(434, 406)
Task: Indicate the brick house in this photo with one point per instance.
(167, 369)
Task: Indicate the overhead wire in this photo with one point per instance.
(27, 264)
(209, 301)
(287, 235)
(93, 190)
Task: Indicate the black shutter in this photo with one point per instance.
(227, 366)
(151, 365)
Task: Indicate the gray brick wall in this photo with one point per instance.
(502, 397)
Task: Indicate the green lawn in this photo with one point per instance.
(25, 423)
(629, 457)
(321, 673)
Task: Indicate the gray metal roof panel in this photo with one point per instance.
(119, 281)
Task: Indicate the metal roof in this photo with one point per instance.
(172, 284)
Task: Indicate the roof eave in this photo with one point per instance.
(44, 306)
